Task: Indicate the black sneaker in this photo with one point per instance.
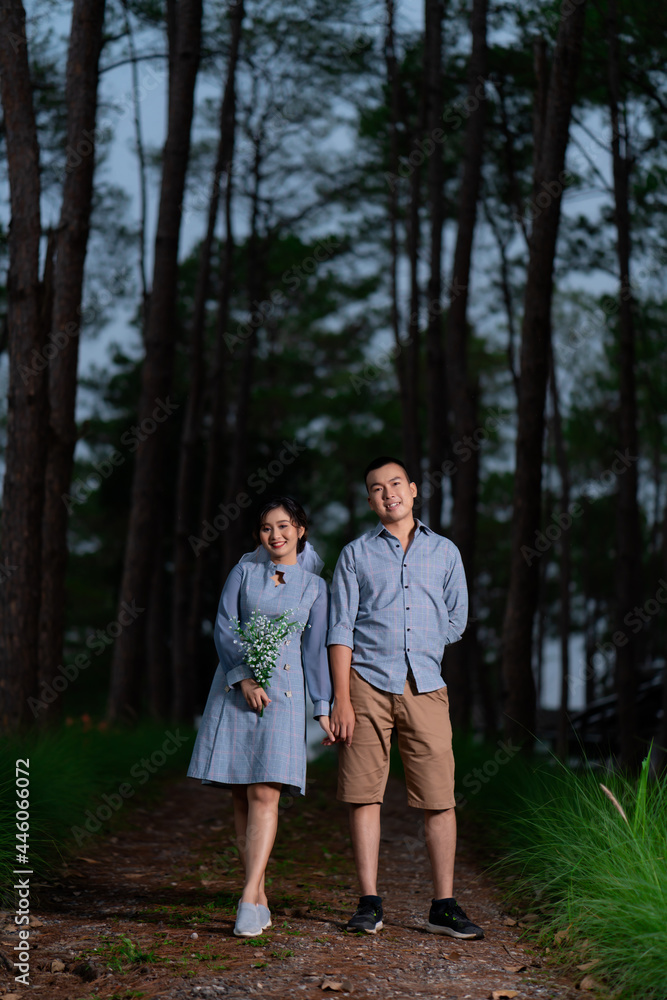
(368, 917)
(447, 917)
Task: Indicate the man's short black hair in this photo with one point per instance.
(377, 463)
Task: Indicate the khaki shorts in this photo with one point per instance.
(424, 741)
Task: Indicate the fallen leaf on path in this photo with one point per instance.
(504, 994)
(133, 874)
(588, 983)
(90, 861)
(561, 935)
(588, 965)
(336, 985)
(453, 956)
(11, 996)
(57, 965)
(515, 968)
(530, 918)
(34, 922)
(509, 922)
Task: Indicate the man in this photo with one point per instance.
(399, 596)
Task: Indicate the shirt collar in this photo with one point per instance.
(380, 528)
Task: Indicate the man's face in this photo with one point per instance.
(390, 495)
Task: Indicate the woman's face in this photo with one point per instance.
(279, 536)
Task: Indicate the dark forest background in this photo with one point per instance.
(440, 235)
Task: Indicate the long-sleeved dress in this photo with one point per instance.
(234, 744)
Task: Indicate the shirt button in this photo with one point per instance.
(286, 667)
(408, 608)
(407, 630)
(406, 586)
(288, 694)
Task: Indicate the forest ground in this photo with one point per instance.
(148, 912)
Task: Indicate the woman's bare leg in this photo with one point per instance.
(256, 822)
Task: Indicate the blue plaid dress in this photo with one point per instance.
(234, 745)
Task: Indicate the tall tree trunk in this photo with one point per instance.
(565, 564)
(184, 693)
(394, 89)
(232, 541)
(463, 390)
(436, 389)
(141, 162)
(85, 45)
(149, 468)
(27, 419)
(413, 444)
(218, 394)
(661, 740)
(628, 532)
(523, 585)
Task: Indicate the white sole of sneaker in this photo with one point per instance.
(439, 929)
(366, 930)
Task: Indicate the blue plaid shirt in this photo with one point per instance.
(398, 610)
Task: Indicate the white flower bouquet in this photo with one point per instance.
(261, 638)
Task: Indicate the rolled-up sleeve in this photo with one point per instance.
(314, 652)
(344, 601)
(455, 595)
(229, 653)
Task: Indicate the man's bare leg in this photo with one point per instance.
(440, 830)
(365, 834)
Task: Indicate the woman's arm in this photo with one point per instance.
(315, 660)
(230, 655)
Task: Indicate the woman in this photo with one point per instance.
(260, 755)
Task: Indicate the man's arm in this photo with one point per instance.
(342, 715)
(455, 595)
(340, 640)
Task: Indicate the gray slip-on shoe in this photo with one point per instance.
(264, 916)
(248, 923)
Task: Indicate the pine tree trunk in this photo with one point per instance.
(393, 87)
(183, 690)
(463, 390)
(565, 544)
(524, 569)
(436, 389)
(219, 395)
(232, 540)
(149, 469)
(27, 417)
(85, 45)
(628, 531)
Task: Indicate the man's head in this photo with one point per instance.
(391, 492)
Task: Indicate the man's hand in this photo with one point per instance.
(254, 694)
(329, 739)
(342, 721)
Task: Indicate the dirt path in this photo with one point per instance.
(149, 913)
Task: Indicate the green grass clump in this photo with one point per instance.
(595, 860)
(71, 771)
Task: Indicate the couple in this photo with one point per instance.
(398, 597)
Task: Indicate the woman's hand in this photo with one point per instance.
(329, 739)
(254, 694)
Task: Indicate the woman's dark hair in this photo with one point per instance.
(297, 515)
